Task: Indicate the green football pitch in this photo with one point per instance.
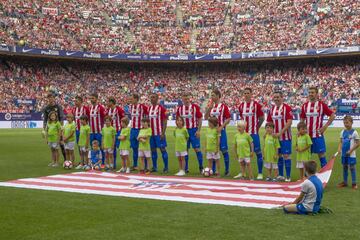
(36, 214)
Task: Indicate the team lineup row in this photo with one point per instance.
(108, 132)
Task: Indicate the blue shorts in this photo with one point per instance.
(157, 142)
(348, 160)
(285, 147)
(95, 136)
(301, 209)
(134, 133)
(195, 142)
(117, 140)
(77, 135)
(256, 142)
(223, 140)
(318, 145)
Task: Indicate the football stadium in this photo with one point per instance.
(173, 119)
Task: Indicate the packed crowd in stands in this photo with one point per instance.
(21, 80)
(174, 26)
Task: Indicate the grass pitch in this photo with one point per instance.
(36, 214)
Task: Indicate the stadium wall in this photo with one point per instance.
(245, 56)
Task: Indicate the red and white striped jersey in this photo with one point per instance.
(157, 115)
(251, 112)
(279, 116)
(190, 114)
(97, 114)
(78, 112)
(221, 112)
(138, 112)
(313, 113)
(116, 114)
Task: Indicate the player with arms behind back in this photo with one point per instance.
(192, 116)
(116, 113)
(158, 123)
(97, 114)
(281, 116)
(138, 112)
(312, 113)
(79, 110)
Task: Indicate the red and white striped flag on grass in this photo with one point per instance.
(259, 194)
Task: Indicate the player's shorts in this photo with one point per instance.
(146, 154)
(256, 142)
(95, 136)
(181, 154)
(157, 142)
(300, 164)
(223, 140)
(77, 135)
(117, 140)
(108, 150)
(301, 209)
(213, 155)
(53, 145)
(134, 133)
(246, 160)
(348, 160)
(70, 146)
(83, 149)
(285, 147)
(195, 142)
(318, 145)
(124, 152)
(270, 165)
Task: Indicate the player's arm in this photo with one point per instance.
(122, 137)
(199, 121)
(299, 198)
(72, 132)
(46, 133)
(305, 148)
(87, 140)
(302, 114)
(205, 146)
(227, 118)
(208, 109)
(99, 162)
(340, 146)
(46, 117)
(61, 115)
(260, 113)
(89, 159)
(331, 115)
(288, 122)
(164, 122)
(218, 142)
(260, 122)
(354, 147)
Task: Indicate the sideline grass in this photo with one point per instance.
(35, 214)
